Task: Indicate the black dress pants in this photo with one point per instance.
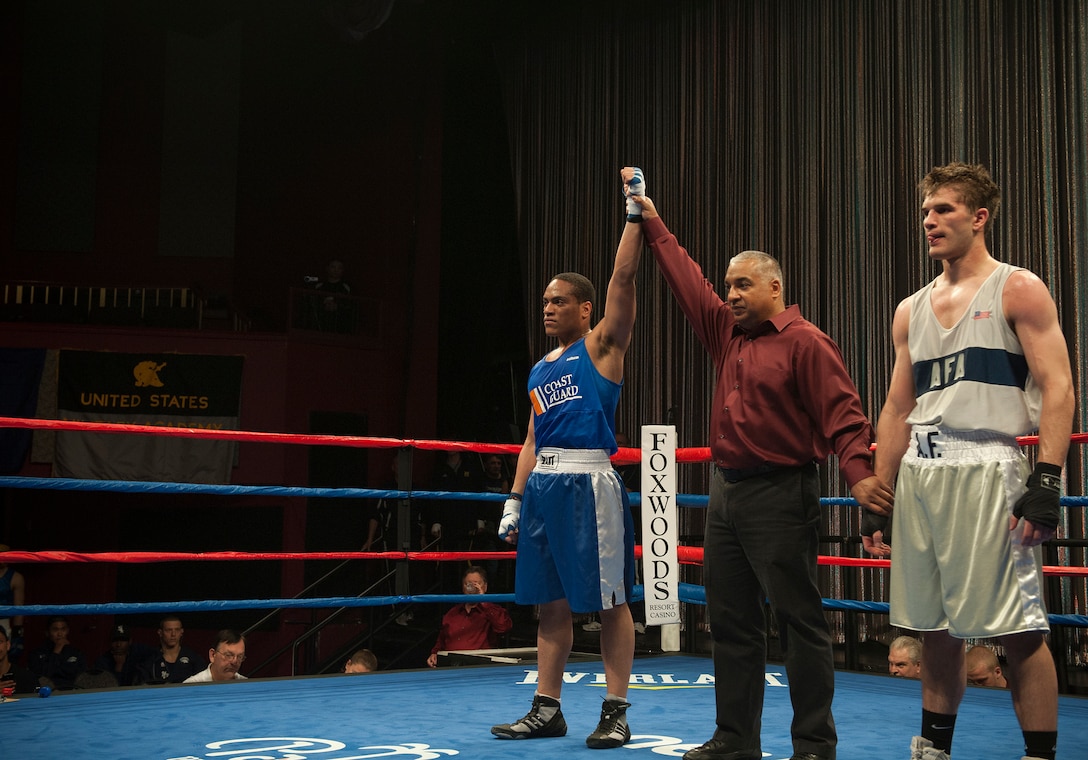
(761, 542)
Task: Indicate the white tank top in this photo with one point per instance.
(972, 376)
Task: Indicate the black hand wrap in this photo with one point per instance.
(871, 522)
(1042, 501)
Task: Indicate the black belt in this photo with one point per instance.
(734, 476)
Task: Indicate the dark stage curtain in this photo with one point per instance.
(801, 128)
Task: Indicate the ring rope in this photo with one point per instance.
(159, 487)
(689, 555)
(694, 454)
(688, 593)
(624, 455)
(156, 487)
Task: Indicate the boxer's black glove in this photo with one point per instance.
(871, 522)
(1041, 502)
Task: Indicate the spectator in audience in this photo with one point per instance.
(334, 281)
(383, 535)
(173, 663)
(471, 625)
(57, 659)
(377, 513)
(983, 668)
(362, 661)
(905, 657)
(494, 478)
(452, 522)
(125, 659)
(224, 659)
(12, 594)
(18, 679)
(336, 311)
(381, 528)
(1080, 658)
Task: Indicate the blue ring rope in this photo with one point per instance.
(145, 487)
(688, 592)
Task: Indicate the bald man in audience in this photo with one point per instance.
(983, 668)
(362, 661)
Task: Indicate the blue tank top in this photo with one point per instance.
(574, 406)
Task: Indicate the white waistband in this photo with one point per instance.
(550, 459)
(934, 442)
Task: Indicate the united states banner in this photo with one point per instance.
(170, 390)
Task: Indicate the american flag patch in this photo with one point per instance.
(981, 315)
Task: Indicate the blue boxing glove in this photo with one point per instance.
(511, 516)
(1041, 503)
(637, 186)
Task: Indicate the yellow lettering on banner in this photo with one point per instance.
(109, 400)
(168, 401)
(134, 401)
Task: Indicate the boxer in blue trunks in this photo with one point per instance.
(568, 512)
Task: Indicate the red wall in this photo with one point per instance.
(285, 377)
(339, 155)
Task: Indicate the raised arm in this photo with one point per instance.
(610, 338)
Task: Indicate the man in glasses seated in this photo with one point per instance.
(224, 658)
(471, 625)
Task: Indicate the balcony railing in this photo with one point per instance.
(174, 307)
(337, 313)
